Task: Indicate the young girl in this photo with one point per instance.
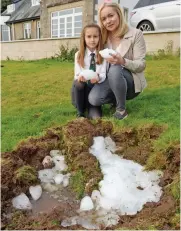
(88, 57)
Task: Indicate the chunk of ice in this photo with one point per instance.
(106, 53)
(58, 178)
(35, 191)
(59, 163)
(86, 204)
(46, 175)
(88, 74)
(21, 202)
(55, 153)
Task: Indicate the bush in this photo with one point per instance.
(64, 54)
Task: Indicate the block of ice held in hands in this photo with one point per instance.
(106, 53)
(88, 74)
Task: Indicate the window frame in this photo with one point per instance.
(126, 16)
(38, 28)
(6, 30)
(57, 15)
(28, 30)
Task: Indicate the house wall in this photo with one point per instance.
(46, 48)
(47, 7)
(19, 31)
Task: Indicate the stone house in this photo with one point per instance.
(21, 20)
(57, 18)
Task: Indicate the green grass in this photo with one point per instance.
(36, 96)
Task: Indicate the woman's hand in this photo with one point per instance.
(116, 59)
(81, 79)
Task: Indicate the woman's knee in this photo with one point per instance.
(94, 99)
(115, 73)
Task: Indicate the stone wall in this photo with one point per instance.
(160, 40)
(33, 49)
(45, 48)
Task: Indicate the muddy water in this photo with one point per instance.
(45, 204)
(62, 198)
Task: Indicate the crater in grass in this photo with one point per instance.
(74, 139)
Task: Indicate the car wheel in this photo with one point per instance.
(146, 26)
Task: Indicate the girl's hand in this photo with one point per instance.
(116, 59)
(81, 79)
(94, 80)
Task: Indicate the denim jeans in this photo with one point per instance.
(117, 88)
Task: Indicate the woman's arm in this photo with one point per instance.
(138, 63)
(102, 71)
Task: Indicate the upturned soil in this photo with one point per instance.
(74, 141)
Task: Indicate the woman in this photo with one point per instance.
(125, 78)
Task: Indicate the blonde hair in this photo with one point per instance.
(123, 27)
(81, 54)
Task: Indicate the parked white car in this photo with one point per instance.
(150, 15)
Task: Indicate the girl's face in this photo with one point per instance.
(91, 38)
(110, 19)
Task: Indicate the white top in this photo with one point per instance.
(100, 69)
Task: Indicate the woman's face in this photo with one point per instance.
(110, 19)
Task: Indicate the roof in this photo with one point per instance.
(24, 12)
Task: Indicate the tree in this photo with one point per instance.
(4, 4)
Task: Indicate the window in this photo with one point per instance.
(125, 11)
(27, 30)
(162, 1)
(66, 23)
(35, 2)
(5, 33)
(38, 29)
(10, 8)
(143, 3)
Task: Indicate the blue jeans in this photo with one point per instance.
(117, 88)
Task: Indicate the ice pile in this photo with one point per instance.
(125, 188)
(88, 74)
(106, 53)
(54, 175)
(51, 179)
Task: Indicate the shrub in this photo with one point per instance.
(64, 54)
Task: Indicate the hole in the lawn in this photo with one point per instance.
(133, 144)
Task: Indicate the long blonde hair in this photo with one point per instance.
(81, 54)
(123, 27)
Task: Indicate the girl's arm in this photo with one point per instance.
(77, 68)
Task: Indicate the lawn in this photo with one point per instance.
(36, 96)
